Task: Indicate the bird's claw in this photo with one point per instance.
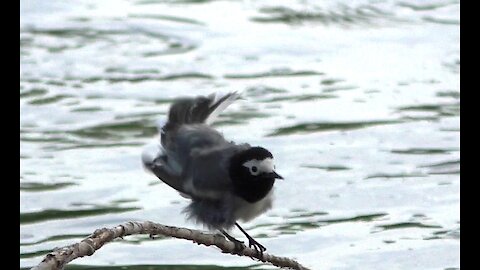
(259, 248)
(239, 246)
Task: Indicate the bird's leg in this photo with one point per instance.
(252, 242)
(239, 246)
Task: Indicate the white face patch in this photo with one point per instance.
(257, 167)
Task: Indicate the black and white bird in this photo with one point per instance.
(226, 182)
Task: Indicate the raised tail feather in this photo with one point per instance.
(197, 110)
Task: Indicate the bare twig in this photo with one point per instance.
(57, 259)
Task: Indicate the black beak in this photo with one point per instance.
(276, 175)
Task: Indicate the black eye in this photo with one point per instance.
(254, 169)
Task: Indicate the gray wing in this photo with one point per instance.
(191, 139)
(197, 162)
(154, 160)
(185, 136)
(208, 171)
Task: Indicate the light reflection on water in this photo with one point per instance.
(359, 102)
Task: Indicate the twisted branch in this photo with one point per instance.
(58, 258)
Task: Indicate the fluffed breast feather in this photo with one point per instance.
(246, 211)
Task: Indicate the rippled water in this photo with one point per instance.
(357, 100)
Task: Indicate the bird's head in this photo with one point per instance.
(253, 165)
